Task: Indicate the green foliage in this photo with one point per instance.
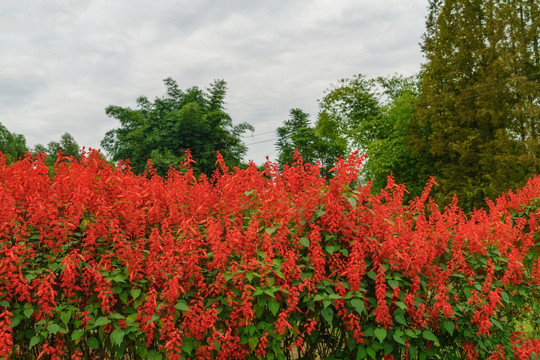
(354, 106)
(97, 262)
(12, 145)
(164, 129)
(67, 146)
(375, 116)
(478, 111)
(322, 143)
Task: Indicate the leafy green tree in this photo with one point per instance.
(479, 106)
(389, 153)
(164, 129)
(321, 143)
(352, 104)
(296, 133)
(375, 115)
(67, 146)
(12, 145)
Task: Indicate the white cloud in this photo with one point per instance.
(63, 62)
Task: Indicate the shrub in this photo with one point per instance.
(97, 262)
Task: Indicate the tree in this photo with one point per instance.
(353, 106)
(67, 146)
(321, 143)
(479, 101)
(164, 129)
(12, 145)
(375, 115)
(389, 153)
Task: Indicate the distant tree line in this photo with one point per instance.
(13, 146)
(470, 118)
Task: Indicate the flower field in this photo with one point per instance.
(96, 262)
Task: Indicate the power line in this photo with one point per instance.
(258, 134)
(262, 141)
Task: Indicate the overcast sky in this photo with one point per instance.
(63, 61)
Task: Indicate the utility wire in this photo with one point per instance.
(257, 134)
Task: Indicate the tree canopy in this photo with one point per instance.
(162, 130)
(374, 115)
(320, 143)
(479, 104)
(67, 146)
(12, 145)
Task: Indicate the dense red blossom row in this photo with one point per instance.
(195, 256)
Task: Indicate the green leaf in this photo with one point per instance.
(34, 341)
(388, 347)
(398, 337)
(54, 266)
(361, 353)
(92, 343)
(181, 305)
(497, 324)
(352, 201)
(116, 316)
(259, 310)
(400, 318)
(428, 335)
(253, 341)
(28, 313)
(304, 241)
(119, 278)
(77, 334)
(135, 293)
(401, 305)
(53, 328)
(273, 305)
(101, 321)
(257, 292)
(123, 297)
(330, 249)
(187, 345)
(380, 334)
(328, 314)
(16, 321)
(4, 303)
(326, 303)
(154, 355)
(270, 230)
(449, 326)
(65, 316)
(319, 212)
(117, 336)
(371, 352)
(358, 305)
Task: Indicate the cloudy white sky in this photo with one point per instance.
(63, 61)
